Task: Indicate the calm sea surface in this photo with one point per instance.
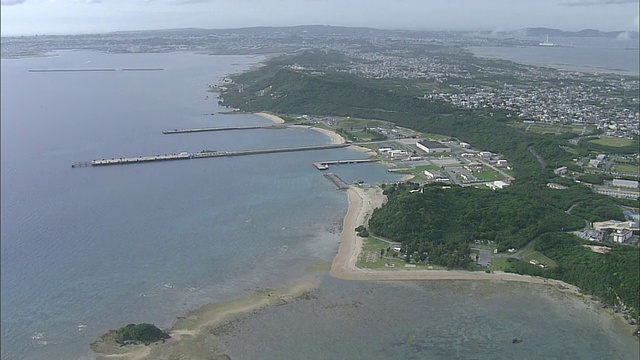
(90, 249)
(587, 54)
(438, 320)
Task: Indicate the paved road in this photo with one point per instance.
(540, 159)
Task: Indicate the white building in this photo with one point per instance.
(617, 192)
(498, 184)
(621, 236)
(561, 171)
(625, 183)
(397, 153)
(432, 146)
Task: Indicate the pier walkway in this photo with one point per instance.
(324, 165)
(184, 131)
(198, 155)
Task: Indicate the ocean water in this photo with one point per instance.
(85, 250)
(585, 54)
(430, 320)
(90, 249)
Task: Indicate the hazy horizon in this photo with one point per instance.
(51, 17)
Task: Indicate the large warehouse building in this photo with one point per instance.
(432, 146)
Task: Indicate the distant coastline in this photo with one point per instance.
(499, 53)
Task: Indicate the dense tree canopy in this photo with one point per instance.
(144, 333)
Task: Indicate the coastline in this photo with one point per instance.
(276, 119)
(188, 331)
(335, 137)
(485, 52)
(362, 203)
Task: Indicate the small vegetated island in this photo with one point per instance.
(438, 224)
(134, 334)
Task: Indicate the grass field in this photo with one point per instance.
(370, 256)
(612, 141)
(499, 264)
(531, 254)
(488, 175)
(626, 168)
(542, 128)
(419, 170)
(359, 124)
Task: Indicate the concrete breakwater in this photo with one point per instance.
(69, 70)
(92, 70)
(337, 181)
(324, 165)
(194, 130)
(198, 155)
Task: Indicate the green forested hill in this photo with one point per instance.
(467, 214)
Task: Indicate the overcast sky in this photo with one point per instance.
(28, 17)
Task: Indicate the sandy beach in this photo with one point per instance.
(276, 119)
(362, 202)
(335, 137)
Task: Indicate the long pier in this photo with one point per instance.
(324, 165)
(92, 70)
(184, 131)
(198, 155)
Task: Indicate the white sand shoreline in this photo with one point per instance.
(276, 119)
(362, 202)
(335, 137)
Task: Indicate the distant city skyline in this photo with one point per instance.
(30, 17)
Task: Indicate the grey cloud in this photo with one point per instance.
(11, 2)
(597, 2)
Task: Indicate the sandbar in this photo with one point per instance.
(188, 331)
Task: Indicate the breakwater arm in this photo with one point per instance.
(198, 155)
(185, 131)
